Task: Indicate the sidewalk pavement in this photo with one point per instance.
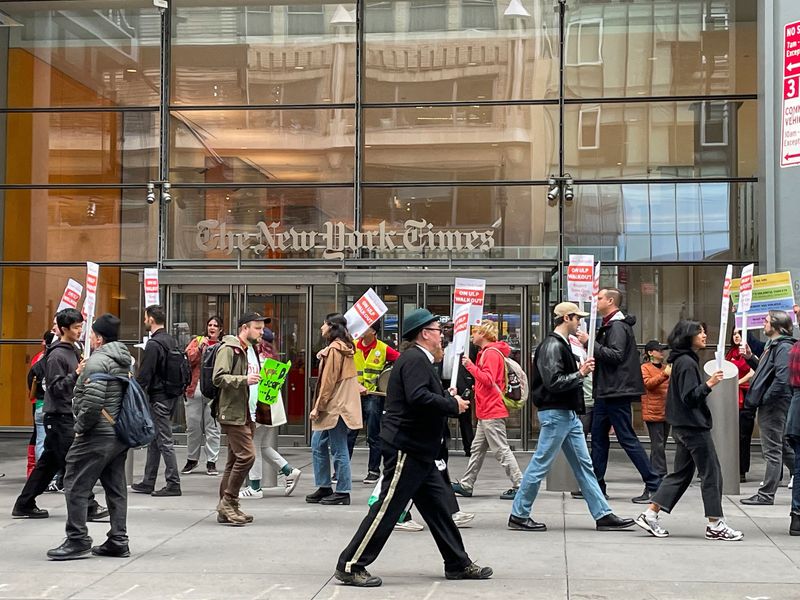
(179, 552)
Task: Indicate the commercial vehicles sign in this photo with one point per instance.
(790, 115)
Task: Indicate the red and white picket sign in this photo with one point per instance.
(151, 295)
(745, 299)
(470, 292)
(580, 277)
(593, 313)
(92, 276)
(723, 315)
(368, 309)
(460, 337)
(72, 293)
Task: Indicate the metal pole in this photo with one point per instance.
(724, 404)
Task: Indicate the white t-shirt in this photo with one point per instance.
(277, 409)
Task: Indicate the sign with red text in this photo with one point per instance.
(580, 277)
(746, 288)
(368, 309)
(151, 295)
(72, 293)
(723, 316)
(470, 292)
(790, 115)
(92, 275)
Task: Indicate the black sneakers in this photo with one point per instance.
(359, 578)
(189, 467)
(471, 572)
(211, 469)
(69, 550)
(167, 490)
(520, 524)
(100, 513)
(141, 488)
(644, 498)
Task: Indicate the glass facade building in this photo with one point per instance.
(315, 150)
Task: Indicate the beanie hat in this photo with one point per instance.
(107, 326)
(267, 335)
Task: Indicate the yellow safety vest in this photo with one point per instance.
(370, 368)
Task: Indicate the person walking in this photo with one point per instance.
(617, 383)
(490, 434)
(36, 386)
(412, 433)
(62, 367)
(747, 416)
(152, 377)
(770, 396)
(97, 454)
(265, 438)
(201, 427)
(337, 408)
(464, 383)
(654, 403)
(371, 356)
(690, 418)
(233, 377)
(557, 393)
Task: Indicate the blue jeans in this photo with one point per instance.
(38, 420)
(617, 414)
(560, 430)
(325, 444)
(372, 413)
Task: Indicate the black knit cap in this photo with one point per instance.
(107, 326)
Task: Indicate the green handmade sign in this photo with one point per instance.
(273, 376)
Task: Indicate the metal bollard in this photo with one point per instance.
(724, 404)
(269, 474)
(560, 478)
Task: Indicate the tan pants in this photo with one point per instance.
(490, 435)
(241, 456)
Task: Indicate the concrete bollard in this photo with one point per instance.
(560, 478)
(724, 404)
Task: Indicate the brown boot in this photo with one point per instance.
(235, 503)
(228, 515)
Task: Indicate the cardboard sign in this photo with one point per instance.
(470, 292)
(772, 291)
(593, 312)
(460, 337)
(273, 376)
(790, 115)
(368, 309)
(72, 293)
(151, 295)
(580, 277)
(723, 317)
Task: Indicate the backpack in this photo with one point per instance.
(134, 424)
(177, 372)
(206, 382)
(515, 392)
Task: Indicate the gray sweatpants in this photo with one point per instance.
(490, 436)
(201, 428)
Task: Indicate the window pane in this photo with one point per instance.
(423, 51)
(636, 222)
(264, 223)
(227, 53)
(655, 48)
(85, 147)
(516, 220)
(661, 139)
(459, 143)
(256, 146)
(83, 54)
(109, 225)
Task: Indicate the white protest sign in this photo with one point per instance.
(745, 298)
(723, 316)
(92, 274)
(368, 309)
(580, 278)
(151, 295)
(593, 313)
(470, 292)
(72, 293)
(460, 337)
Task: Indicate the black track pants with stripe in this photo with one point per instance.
(406, 478)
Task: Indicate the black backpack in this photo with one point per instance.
(207, 387)
(134, 424)
(177, 374)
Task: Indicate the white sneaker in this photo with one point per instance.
(408, 526)
(463, 519)
(722, 531)
(791, 481)
(291, 481)
(249, 493)
(651, 526)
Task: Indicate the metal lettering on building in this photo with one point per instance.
(335, 240)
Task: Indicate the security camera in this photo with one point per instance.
(553, 192)
(166, 197)
(569, 194)
(151, 193)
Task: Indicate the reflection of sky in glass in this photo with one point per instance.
(635, 215)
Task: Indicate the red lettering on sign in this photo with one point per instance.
(463, 296)
(151, 283)
(366, 311)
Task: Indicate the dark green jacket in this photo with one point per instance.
(230, 376)
(91, 397)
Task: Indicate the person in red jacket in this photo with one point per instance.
(490, 434)
(654, 403)
(747, 416)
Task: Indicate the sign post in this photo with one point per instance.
(151, 295)
(92, 275)
(723, 317)
(368, 309)
(790, 130)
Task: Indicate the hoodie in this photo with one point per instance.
(60, 372)
(618, 375)
(91, 397)
(687, 394)
(489, 372)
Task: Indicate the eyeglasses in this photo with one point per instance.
(439, 329)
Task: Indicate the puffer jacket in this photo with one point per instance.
(618, 375)
(490, 378)
(230, 376)
(654, 401)
(91, 397)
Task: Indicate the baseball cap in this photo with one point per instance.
(655, 345)
(248, 317)
(568, 308)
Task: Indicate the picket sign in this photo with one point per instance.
(580, 278)
(90, 303)
(460, 337)
(723, 316)
(72, 293)
(470, 292)
(368, 309)
(593, 311)
(151, 294)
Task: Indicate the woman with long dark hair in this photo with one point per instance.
(690, 418)
(337, 407)
(747, 417)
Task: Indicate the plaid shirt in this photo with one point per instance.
(794, 366)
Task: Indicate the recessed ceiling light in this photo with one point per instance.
(299, 68)
(131, 70)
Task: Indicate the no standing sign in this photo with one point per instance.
(790, 137)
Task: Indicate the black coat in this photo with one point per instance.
(619, 373)
(555, 381)
(154, 364)
(687, 392)
(62, 360)
(416, 410)
(770, 384)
